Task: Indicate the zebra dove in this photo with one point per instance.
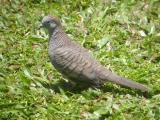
(75, 62)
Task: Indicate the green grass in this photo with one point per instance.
(124, 36)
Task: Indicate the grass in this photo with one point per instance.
(124, 36)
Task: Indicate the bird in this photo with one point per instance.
(76, 63)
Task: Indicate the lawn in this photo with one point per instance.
(123, 35)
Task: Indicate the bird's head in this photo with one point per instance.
(51, 23)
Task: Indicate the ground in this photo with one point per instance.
(123, 35)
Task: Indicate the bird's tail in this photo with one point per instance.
(124, 82)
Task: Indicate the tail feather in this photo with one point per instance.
(125, 82)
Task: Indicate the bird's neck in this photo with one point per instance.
(58, 38)
(51, 32)
(54, 32)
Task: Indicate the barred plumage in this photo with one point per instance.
(75, 62)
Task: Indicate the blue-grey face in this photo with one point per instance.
(49, 22)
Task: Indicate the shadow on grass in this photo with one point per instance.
(125, 90)
(70, 89)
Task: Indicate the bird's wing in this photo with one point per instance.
(74, 63)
